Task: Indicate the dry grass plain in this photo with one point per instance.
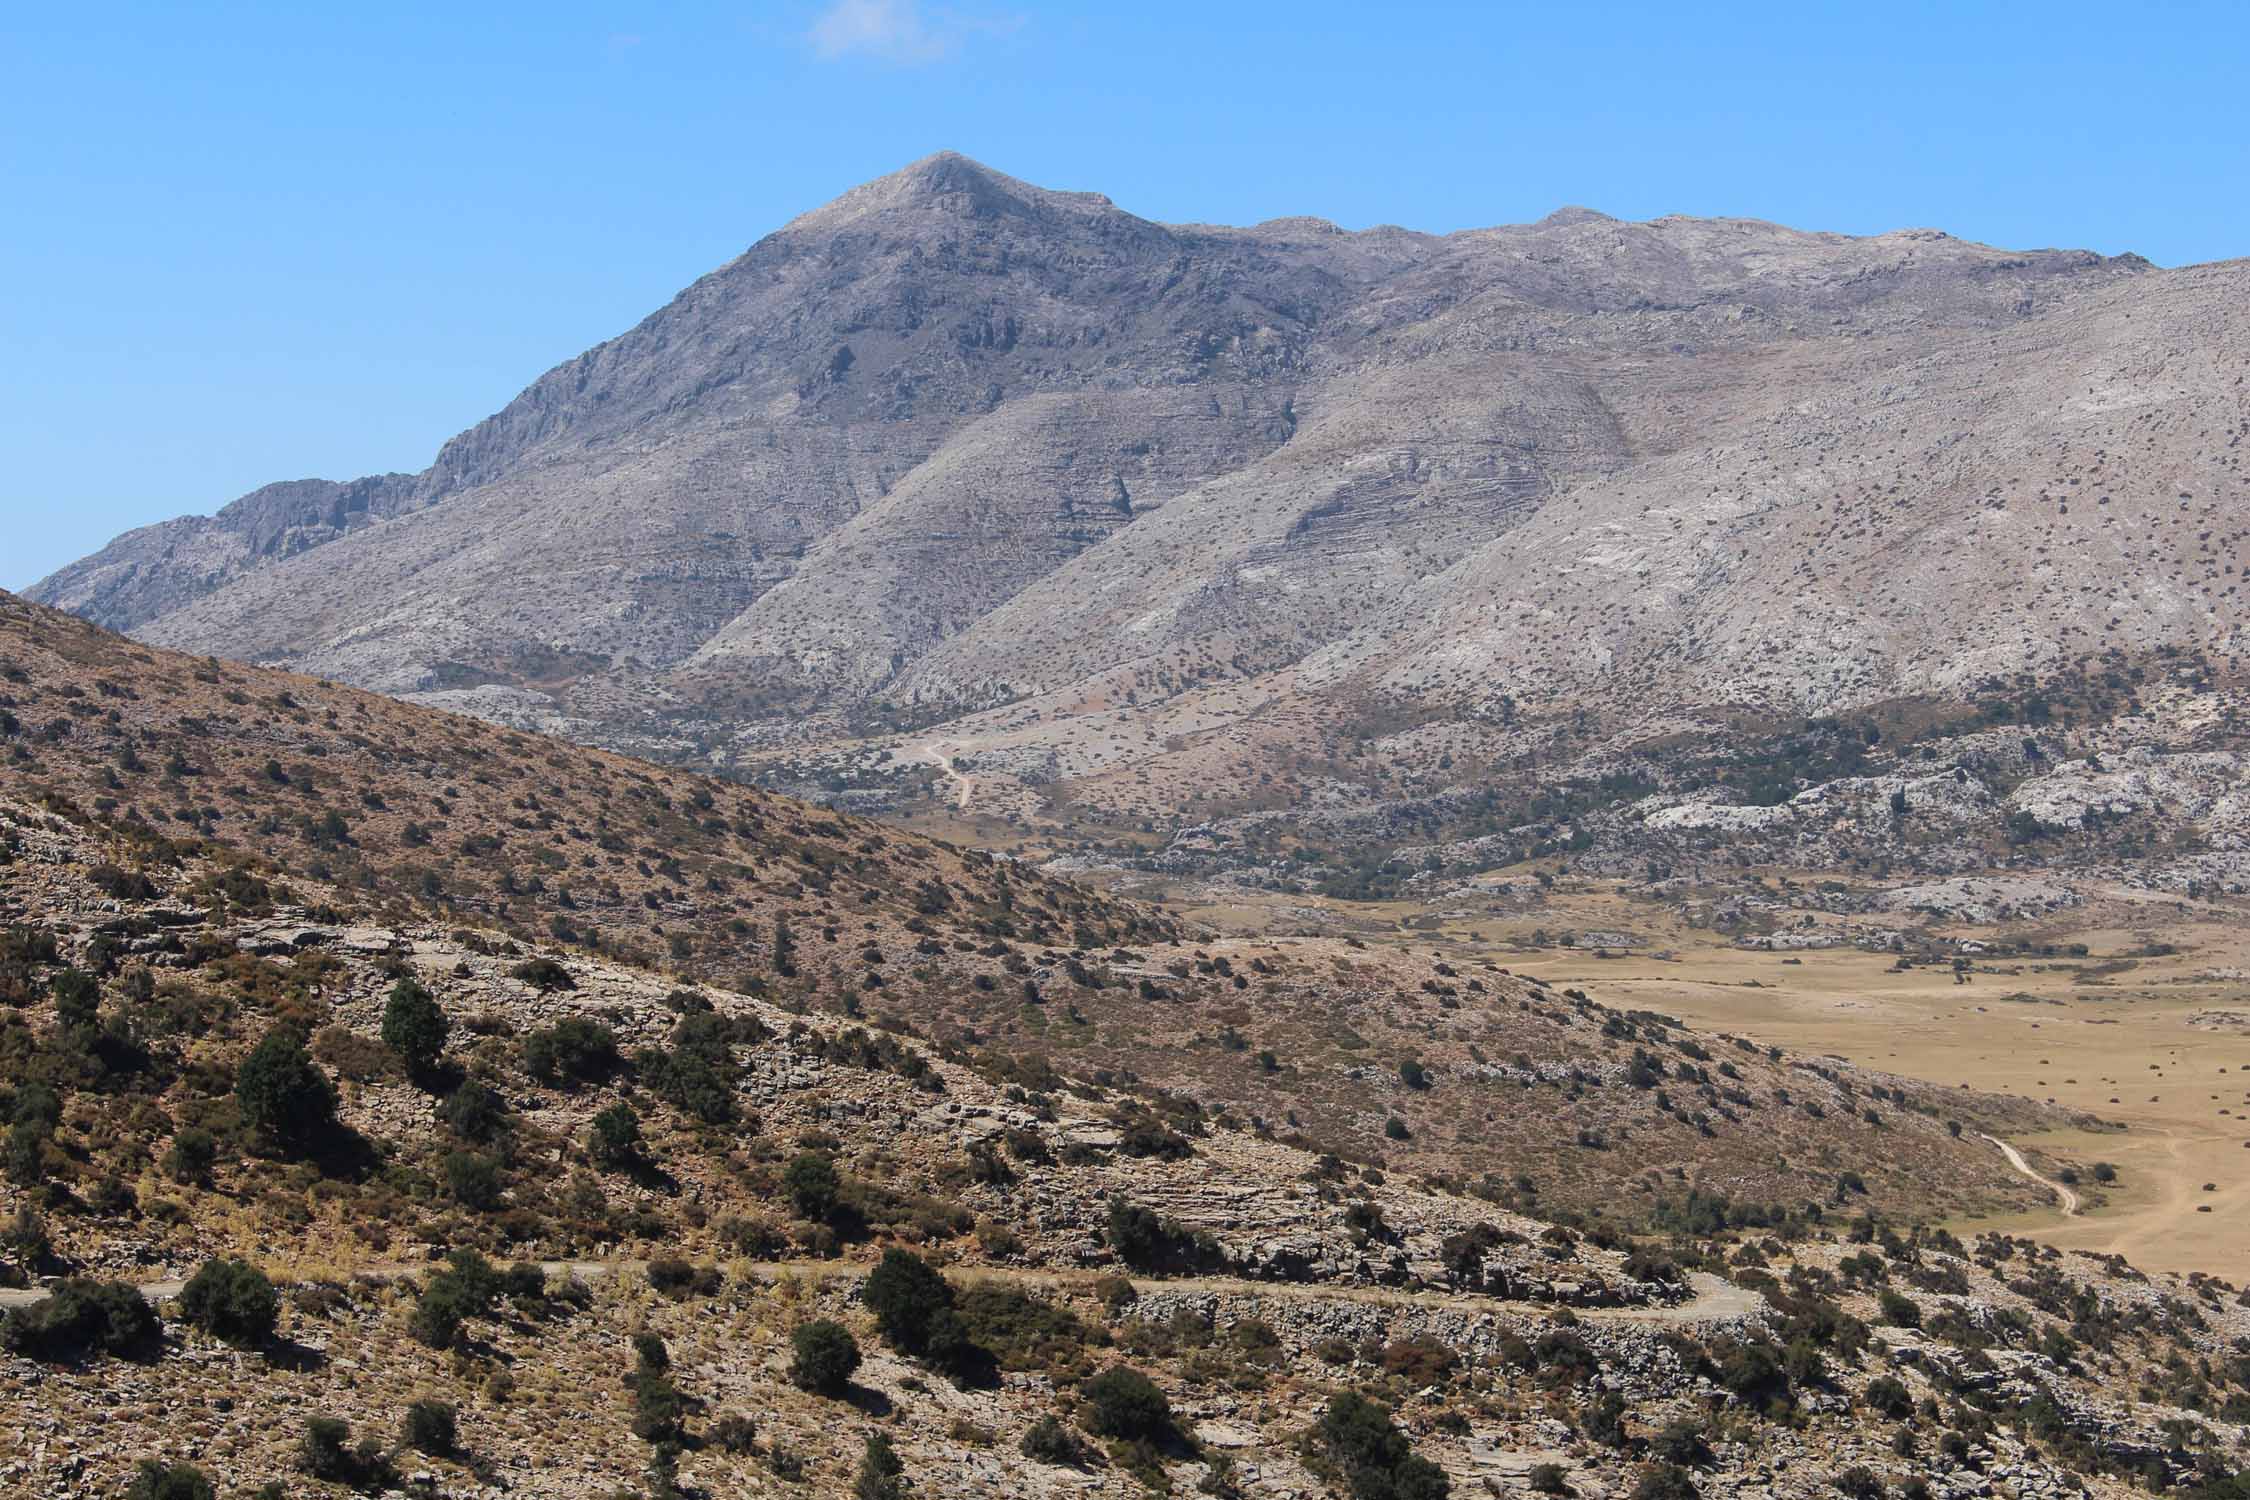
(2142, 1042)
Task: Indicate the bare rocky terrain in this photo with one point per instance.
(1132, 525)
(397, 1103)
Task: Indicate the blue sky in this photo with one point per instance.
(249, 242)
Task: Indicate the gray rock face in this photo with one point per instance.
(157, 569)
(954, 441)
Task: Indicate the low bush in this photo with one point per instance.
(543, 974)
(1665, 1482)
(812, 1186)
(1121, 1402)
(823, 1356)
(431, 1427)
(81, 1317)
(577, 1050)
(914, 1309)
(232, 1301)
(156, 1481)
(1050, 1442)
(1359, 1437)
(324, 1455)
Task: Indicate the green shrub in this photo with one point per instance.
(1651, 1265)
(473, 1180)
(658, 1407)
(322, 1454)
(823, 1356)
(232, 1301)
(467, 1288)
(543, 974)
(881, 1475)
(1900, 1312)
(26, 1152)
(1888, 1394)
(754, 1238)
(577, 1050)
(26, 1238)
(189, 1160)
(154, 1481)
(1605, 1420)
(1050, 1442)
(431, 1427)
(475, 1111)
(697, 1074)
(1377, 1462)
(440, 1311)
(1420, 1360)
(1022, 1332)
(283, 1096)
(1121, 1402)
(812, 1185)
(80, 1317)
(1665, 1482)
(913, 1305)
(414, 1026)
(1681, 1442)
(1146, 1242)
(615, 1140)
(676, 1277)
(77, 999)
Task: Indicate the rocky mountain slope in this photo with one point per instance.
(1126, 508)
(426, 816)
(367, 1130)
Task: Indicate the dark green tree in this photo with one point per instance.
(615, 1140)
(473, 1180)
(233, 1301)
(475, 1111)
(1121, 1402)
(431, 1427)
(912, 1303)
(82, 1316)
(823, 1355)
(811, 1182)
(77, 1000)
(283, 1095)
(415, 1026)
(155, 1481)
(1374, 1455)
(881, 1475)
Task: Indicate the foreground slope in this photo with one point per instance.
(432, 817)
(237, 1029)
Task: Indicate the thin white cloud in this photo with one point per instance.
(899, 31)
(894, 31)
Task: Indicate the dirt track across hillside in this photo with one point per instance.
(1715, 1301)
(2015, 1159)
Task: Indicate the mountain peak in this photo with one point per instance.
(943, 172)
(950, 184)
(1574, 213)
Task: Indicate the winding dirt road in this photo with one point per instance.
(934, 753)
(2015, 1159)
